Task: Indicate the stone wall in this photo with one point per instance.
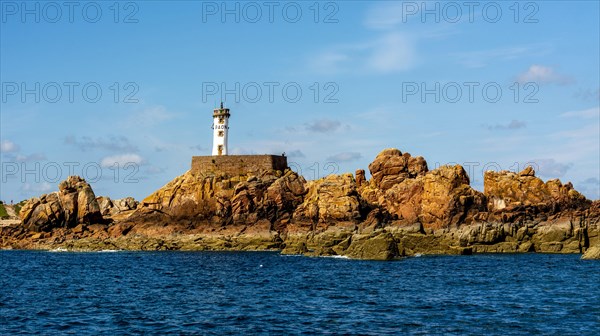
(238, 164)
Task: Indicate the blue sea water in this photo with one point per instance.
(266, 293)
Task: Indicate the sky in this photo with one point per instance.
(122, 93)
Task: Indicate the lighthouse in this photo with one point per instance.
(220, 162)
(220, 127)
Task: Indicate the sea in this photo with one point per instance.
(247, 293)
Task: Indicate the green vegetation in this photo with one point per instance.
(18, 207)
(3, 213)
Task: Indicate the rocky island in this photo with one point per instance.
(405, 209)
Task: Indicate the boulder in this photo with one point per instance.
(329, 199)
(403, 200)
(110, 207)
(375, 246)
(396, 184)
(592, 253)
(224, 199)
(105, 204)
(126, 204)
(391, 167)
(43, 213)
(405, 189)
(514, 193)
(74, 203)
(447, 198)
(88, 210)
(360, 178)
(528, 171)
(285, 194)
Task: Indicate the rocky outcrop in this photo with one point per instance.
(74, 203)
(105, 204)
(592, 253)
(43, 213)
(403, 210)
(360, 178)
(392, 167)
(375, 246)
(404, 187)
(448, 200)
(331, 199)
(514, 197)
(110, 207)
(396, 184)
(223, 199)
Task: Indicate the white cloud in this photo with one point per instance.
(385, 15)
(592, 180)
(7, 146)
(389, 53)
(323, 125)
(550, 168)
(378, 113)
(576, 145)
(121, 160)
(151, 116)
(592, 113)
(36, 157)
(242, 151)
(481, 58)
(345, 157)
(114, 143)
(43, 187)
(590, 187)
(330, 61)
(296, 154)
(155, 170)
(543, 75)
(588, 94)
(513, 125)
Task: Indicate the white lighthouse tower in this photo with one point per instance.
(220, 127)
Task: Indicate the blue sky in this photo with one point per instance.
(371, 75)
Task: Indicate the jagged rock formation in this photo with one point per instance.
(223, 199)
(331, 199)
(593, 253)
(109, 207)
(392, 167)
(438, 199)
(74, 203)
(404, 209)
(447, 199)
(515, 197)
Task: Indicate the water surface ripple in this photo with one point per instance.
(265, 293)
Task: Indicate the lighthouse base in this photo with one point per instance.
(238, 164)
